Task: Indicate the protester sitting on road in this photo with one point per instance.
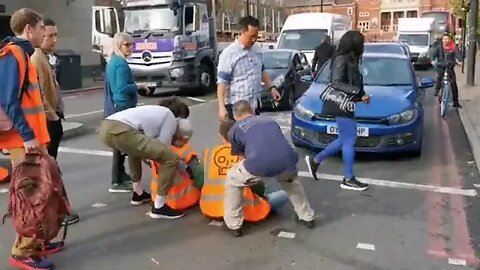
(256, 204)
(120, 94)
(147, 133)
(255, 137)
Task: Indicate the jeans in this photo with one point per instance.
(55, 130)
(347, 137)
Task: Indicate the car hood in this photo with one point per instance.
(274, 73)
(385, 100)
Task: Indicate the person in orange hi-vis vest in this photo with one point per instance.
(256, 205)
(183, 194)
(22, 105)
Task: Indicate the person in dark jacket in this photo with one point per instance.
(446, 55)
(322, 54)
(346, 77)
(120, 94)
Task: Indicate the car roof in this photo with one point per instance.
(385, 55)
(383, 43)
(281, 50)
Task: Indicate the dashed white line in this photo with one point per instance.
(69, 116)
(365, 246)
(405, 185)
(289, 235)
(85, 151)
(197, 99)
(453, 261)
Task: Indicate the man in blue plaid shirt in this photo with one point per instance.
(241, 71)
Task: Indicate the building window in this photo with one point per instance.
(396, 16)
(364, 25)
(364, 14)
(349, 10)
(385, 21)
(412, 14)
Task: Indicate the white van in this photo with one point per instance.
(419, 34)
(305, 31)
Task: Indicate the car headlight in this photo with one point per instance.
(402, 118)
(302, 112)
(278, 81)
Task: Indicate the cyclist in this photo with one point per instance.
(445, 56)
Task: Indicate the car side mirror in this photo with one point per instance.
(426, 83)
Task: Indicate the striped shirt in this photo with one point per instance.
(241, 70)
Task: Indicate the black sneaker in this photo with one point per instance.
(120, 188)
(71, 219)
(353, 184)
(234, 232)
(312, 166)
(309, 224)
(140, 199)
(165, 212)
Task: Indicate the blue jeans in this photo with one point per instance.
(347, 136)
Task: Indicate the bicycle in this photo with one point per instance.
(446, 90)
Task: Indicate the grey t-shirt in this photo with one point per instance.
(154, 121)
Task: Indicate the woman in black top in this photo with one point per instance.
(347, 78)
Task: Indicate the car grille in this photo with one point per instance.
(383, 121)
(362, 142)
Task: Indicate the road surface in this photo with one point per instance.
(420, 213)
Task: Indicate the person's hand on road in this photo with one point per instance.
(31, 146)
(275, 94)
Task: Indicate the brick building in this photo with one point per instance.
(377, 19)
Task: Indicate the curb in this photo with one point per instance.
(75, 131)
(81, 90)
(472, 137)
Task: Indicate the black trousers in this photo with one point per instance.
(55, 130)
(118, 167)
(453, 81)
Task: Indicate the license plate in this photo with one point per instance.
(361, 131)
(146, 46)
(152, 84)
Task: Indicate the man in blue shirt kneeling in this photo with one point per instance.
(267, 154)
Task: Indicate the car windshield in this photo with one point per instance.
(378, 71)
(276, 60)
(138, 21)
(415, 39)
(301, 39)
(384, 48)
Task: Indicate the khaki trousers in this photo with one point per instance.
(238, 178)
(24, 246)
(137, 147)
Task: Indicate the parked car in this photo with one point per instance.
(387, 47)
(290, 72)
(391, 123)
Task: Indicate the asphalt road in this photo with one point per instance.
(420, 213)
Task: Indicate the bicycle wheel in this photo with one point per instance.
(445, 100)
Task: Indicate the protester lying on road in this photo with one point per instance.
(256, 204)
(147, 132)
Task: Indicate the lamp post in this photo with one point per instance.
(472, 42)
(464, 30)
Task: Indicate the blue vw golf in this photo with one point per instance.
(391, 123)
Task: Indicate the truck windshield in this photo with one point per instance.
(301, 39)
(415, 39)
(138, 21)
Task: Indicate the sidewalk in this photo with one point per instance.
(469, 97)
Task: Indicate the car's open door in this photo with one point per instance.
(105, 24)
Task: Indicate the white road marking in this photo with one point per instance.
(386, 183)
(197, 99)
(365, 246)
(332, 177)
(457, 262)
(286, 234)
(216, 223)
(98, 205)
(155, 261)
(69, 116)
(4, 190)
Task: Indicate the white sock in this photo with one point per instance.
(159, 201)
(137, 188)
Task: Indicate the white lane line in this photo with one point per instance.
(286, 235)
(3, 190)
(197, 99)
(457, 262)
(365, 246)
(332, 177)
(386, 183)
(99, 205)
(69, 116)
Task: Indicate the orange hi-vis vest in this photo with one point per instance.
(31, 102)
(217, 163)
(183, 194)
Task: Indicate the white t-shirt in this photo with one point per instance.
(154, 121)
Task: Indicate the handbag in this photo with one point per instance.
(344, 101)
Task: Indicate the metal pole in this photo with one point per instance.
(472, 44)
(464, 26)
(321, 5)
(248, 7)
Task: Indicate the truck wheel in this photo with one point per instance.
(206, 79)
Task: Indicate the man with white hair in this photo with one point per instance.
(146, 133)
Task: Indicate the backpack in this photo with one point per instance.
(6, 124)
(38, 202)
